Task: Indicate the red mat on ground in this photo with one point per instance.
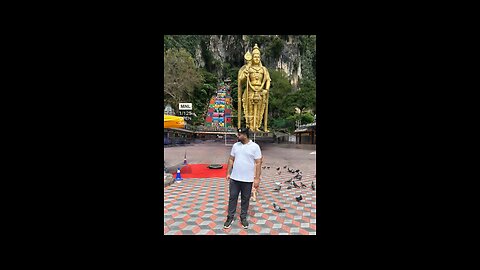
(201, 171)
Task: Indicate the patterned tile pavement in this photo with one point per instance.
(198, 206)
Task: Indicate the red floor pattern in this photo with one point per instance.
(198, 206)
(201, 171)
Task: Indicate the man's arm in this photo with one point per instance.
(258, 171)
(229, 166)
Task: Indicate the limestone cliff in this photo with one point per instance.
(220, 54)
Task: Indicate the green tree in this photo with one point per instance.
(180, 77)
(232, 73)
(306, 118)
(305, 97)
(281, 104)
(275, 47)
(278, 102)
(202, 95)
(308, 52)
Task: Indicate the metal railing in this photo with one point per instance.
(219, 129)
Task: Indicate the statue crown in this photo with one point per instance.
(256, 49)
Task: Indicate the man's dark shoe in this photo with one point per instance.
(228, 223)
(244, 223)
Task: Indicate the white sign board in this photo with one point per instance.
(185, 106)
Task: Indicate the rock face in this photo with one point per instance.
(218, 53)
(290, 62)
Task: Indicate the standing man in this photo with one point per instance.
(246, 159)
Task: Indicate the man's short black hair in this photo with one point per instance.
(245, 131)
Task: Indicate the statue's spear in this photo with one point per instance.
(248, 58)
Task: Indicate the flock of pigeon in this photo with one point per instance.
(291, 184)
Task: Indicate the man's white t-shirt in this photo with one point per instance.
(244, 164)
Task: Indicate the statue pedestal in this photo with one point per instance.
(261, 136)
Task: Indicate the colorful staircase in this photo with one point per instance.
(219, 112)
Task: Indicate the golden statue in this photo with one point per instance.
(253, 88)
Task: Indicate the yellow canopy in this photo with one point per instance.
(170, 121)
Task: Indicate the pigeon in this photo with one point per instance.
(279, 173)
(263, 167)
(297, 170)
(277, 186)
(295, 184)
(268, 167)
(299, 198)
(289, 187)
(285, 166)
(278, 168)
(289, 181)
(277, 208)
(313, 186)
(303, 185)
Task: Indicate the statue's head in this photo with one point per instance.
(256, 55)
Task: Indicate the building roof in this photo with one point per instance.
(306, 127)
